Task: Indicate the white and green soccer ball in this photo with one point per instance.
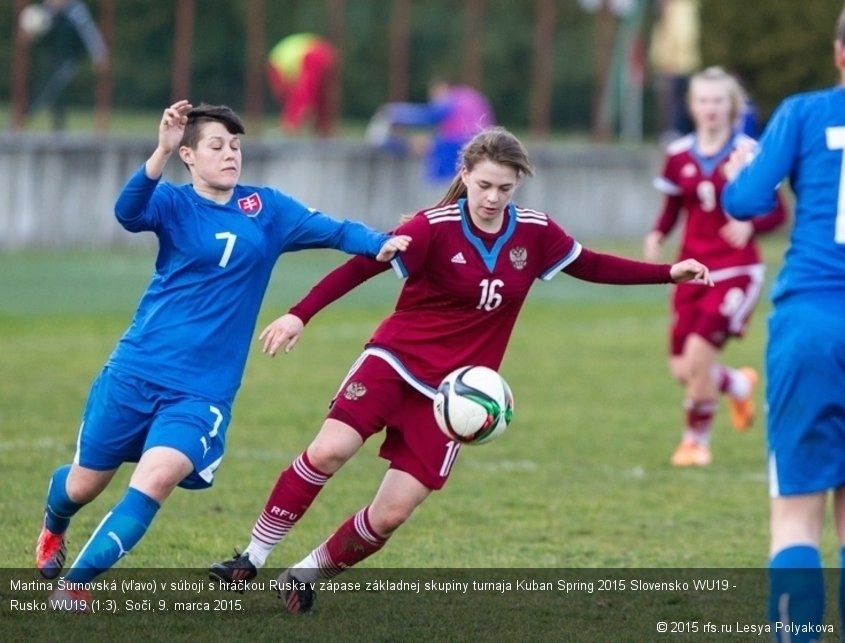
(473, 405)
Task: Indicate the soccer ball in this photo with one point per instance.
(34, 20)
(473, 405)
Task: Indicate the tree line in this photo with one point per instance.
(776, 46)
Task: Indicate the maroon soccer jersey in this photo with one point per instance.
(465, 287)
(693, 184)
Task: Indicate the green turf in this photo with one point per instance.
(580, 480)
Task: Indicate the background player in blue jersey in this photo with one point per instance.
(164, 397)
(805, 355)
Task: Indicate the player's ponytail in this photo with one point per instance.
(495, 144)
(457, 190)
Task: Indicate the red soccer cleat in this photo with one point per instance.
(50, 552)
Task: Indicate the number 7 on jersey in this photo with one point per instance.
(230, 244)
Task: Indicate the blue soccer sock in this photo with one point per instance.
(115, 537)
(59, 508)
(796, 592)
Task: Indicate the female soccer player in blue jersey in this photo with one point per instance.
(163, 398)
(805, 354)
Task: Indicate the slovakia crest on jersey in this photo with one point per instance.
(689, 170)
(250, 205)
(519, 257)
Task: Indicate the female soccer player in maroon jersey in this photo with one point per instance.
(469, 268)
(705, 318)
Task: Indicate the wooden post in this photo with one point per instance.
(473, 32)
(605, 37)
(183, 41)
(20, 71)
(256, 52)
(400, 44)
(102, 91)
(336, 33)
(541, 85)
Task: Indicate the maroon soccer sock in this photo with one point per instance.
(722, 376)
(699, 416)
(295, 490)
(353, 541)
(731, 381)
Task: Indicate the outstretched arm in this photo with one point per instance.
(755, 172)
(610, 269)
(418, 114)
(86, 28)
(284, 332)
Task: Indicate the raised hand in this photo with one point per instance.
(172, 125)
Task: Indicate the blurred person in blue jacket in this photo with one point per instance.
(457, 112)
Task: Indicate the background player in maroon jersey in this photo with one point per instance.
(705, 318)
(472, 262)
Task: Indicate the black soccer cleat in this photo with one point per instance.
(297, 597)
(235, 571)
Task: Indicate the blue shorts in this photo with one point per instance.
(125, 416)
(805, 392)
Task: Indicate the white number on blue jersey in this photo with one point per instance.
(490, 299)
(836, 141)
(230, 244)
(218, 420)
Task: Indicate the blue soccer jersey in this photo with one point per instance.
(194, 323)
(804, 141)
(805, 352)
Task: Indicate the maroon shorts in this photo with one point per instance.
(715, 314)
(373, 397)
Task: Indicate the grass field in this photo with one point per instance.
(580, 481)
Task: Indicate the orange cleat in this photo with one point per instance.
(50, 552)
(691, 454)
(742, 410)
(75, 601)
